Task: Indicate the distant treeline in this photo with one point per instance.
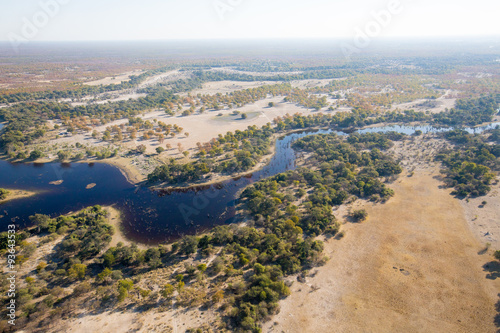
(81, 90)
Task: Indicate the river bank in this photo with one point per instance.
(114, 219)
(17, 194)
(157, 216)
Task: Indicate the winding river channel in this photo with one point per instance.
(148, 216)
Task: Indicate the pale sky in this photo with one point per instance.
(78, 20)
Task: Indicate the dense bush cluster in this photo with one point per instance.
(88, 233)
(85, 235)
(3, 193)
(281, 205)
(335, 171)
(469, 112)
(494, 135)
(469, 165)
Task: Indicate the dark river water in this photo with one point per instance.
(149, 216)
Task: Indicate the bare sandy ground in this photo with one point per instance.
(107, 97)
(484, 220)
(412, 267)
(133, 174)
(201, 127)
(164, 77)
(222, 87)
(169, 321)
(17, 194)
(313, 83)
(115, 79)
(447, 101)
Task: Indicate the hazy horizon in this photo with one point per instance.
(155, 20)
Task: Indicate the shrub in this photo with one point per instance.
(168, 290)
(35, 155)
(359, 215)
(497, 255)
(3, 193)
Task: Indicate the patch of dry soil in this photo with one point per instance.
(17, 194)
(412, 267)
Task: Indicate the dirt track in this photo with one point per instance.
(412, 267)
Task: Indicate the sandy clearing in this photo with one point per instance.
(484, 220)
(105, 322)
(106, 98)
(172, 320)
(412, 267)
(164, 77)
(418, 154)
(17, 194)
(224, 87)
(313, 83)
(447, 101)
(129, 170)
(441, 105)
(201, 127)
(117, 79)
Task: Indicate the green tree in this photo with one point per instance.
(202, 267)
(77, 271)
(3, 193)
(108, 259)
(35, 155)
(122, 294)
(63, 155)
(106, 272)
(41, 221)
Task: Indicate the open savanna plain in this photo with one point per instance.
(413, 266)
